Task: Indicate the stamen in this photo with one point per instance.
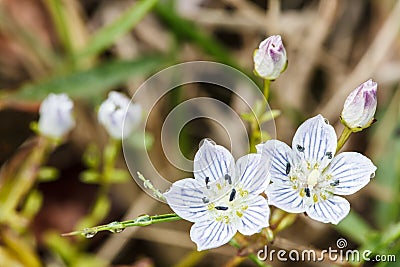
(287, 168)
(221, 208)
(205, 200)
(307, 190)
(233, 194)
(228, 178)
(207, 181)
(335, 183)
(300, 148)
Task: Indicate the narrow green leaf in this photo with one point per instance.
(58, 15)
(107, 35)
(92, 82)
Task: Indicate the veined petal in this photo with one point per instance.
(285, 197)
(332, 210)
(185, 197)
(352, 171)
(255, 217)
(211, 234)
(213, 161)
(281, 159)
(252, 172)
(315, 141)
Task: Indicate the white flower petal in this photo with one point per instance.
(352, 170)
(213, 161)
(285, 197)
(211, 234)
(332, 210)
(255, 217)
(279, 155)
(56, 115)
(315, 141)
(185, 197)
(253, 173)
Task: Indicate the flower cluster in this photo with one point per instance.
(224, 197)
(116, 114)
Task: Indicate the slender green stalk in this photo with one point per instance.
(234, 243)
(267, 85)
(116, 227)
(343, 138)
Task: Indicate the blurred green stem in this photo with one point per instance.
(343, 138)
(234, 243)
(267, 85)
(24, 179)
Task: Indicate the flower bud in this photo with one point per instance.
(270, 58)
(56, 116)
(359, 108)
(118, 115)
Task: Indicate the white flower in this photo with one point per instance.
(223, 198)
(270, 58)
(308, 178)
(360, 106)
(56, 116)
(118, 115)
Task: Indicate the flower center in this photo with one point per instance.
(225, 201)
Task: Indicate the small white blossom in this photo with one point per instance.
(119, 116)
(308, 177)
(270, 58)
(223, 198)
(360, 106)
(56, 116)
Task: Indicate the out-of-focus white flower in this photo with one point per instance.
(56, 116)
(223, 198)
(360, 106)
(308, 177)
(118, 115)
(270, 58)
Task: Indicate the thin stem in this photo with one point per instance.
(234, 243)
(267, 84)
(343, 138)
(143, 220)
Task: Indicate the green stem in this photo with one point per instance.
(343, 138)
(267, 84)
(234, 243)
(253, 136)
(143, 220)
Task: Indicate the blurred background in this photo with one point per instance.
(87, 48)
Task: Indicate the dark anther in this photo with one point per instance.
(228, 178)
(335, 183)
(287, 168)
(207, 181)
(329, 155)
(307, 190)
(300, 148)
(232, 195)
(221, 208)
(205, 200)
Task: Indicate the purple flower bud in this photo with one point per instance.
(56, 116)
(360, 106)
(270, 58)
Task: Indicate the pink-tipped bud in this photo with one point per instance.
(360, 106)
(270, 58)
